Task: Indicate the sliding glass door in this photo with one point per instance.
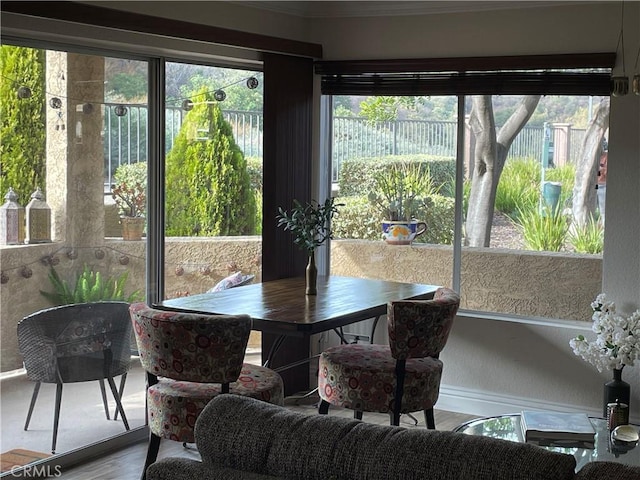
(74, 132)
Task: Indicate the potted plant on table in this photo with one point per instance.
(399, 192)
(130, 195)
(310, 224)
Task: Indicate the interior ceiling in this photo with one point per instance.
(360, 8)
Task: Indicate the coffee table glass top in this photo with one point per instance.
(507, 427)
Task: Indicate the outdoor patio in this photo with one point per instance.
(82, 415)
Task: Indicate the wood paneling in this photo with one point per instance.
(288, 90)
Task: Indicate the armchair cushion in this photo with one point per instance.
(362, 377)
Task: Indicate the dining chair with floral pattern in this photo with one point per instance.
(189, 359)
(401, 377)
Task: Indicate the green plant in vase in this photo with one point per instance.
(310, 224)
(130, 196)
(399, 192)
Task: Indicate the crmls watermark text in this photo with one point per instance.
(36, 471)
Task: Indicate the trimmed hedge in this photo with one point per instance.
(357, 174)
(208, 189)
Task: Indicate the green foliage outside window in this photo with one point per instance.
(519, 189)
(22, 153)
(359, 219)
(544, 231)
(357, 176)
(588, 238)
(90, 286)
(208, 187)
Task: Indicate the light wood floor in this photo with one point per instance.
(127, 463)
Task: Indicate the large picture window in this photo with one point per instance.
(524, 171)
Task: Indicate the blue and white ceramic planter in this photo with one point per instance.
(402, 232)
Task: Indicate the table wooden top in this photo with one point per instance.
(281, 306)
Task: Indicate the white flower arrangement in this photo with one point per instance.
(617, 342)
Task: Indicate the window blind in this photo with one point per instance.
(580, 74)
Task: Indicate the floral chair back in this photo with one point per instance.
(190, 347)
(419, 329)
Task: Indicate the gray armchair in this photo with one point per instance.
(76, 343)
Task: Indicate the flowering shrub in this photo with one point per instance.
(617, 342)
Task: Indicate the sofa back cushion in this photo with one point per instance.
(253, 436)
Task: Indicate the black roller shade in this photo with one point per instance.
(580, 74)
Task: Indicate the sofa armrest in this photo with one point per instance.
(176, 468)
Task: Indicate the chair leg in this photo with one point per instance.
(323, 408)
(56, 416)
(123, 379)
(34, 396)
(357, 414)
(114, 391)
(397, 401)
(152, 453)
(415, 420)
(104, 398)
(429, 419)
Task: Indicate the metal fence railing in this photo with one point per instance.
(126, 136)
(353, 137)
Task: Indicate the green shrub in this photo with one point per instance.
(254, 168)
(543, 231)
(208, 185)
(588, 238)
(357, 175)
(358, 219)
(519, 187)
(90, 286)
(23, 120)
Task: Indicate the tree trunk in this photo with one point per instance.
(584, 191)
(490, 156)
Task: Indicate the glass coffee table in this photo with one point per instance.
(507, 427)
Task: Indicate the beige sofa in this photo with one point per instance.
(241, 438)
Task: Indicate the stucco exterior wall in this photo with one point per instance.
(552, 285)
(492, 278)
(202, 263)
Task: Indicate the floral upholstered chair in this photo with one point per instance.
(189, 359)
(79, 342)
(402, 377)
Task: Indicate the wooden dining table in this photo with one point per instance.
(280, 307)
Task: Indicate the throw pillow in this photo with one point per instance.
(227, 282)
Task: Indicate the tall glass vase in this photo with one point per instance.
(616, 389)
(312, 275)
